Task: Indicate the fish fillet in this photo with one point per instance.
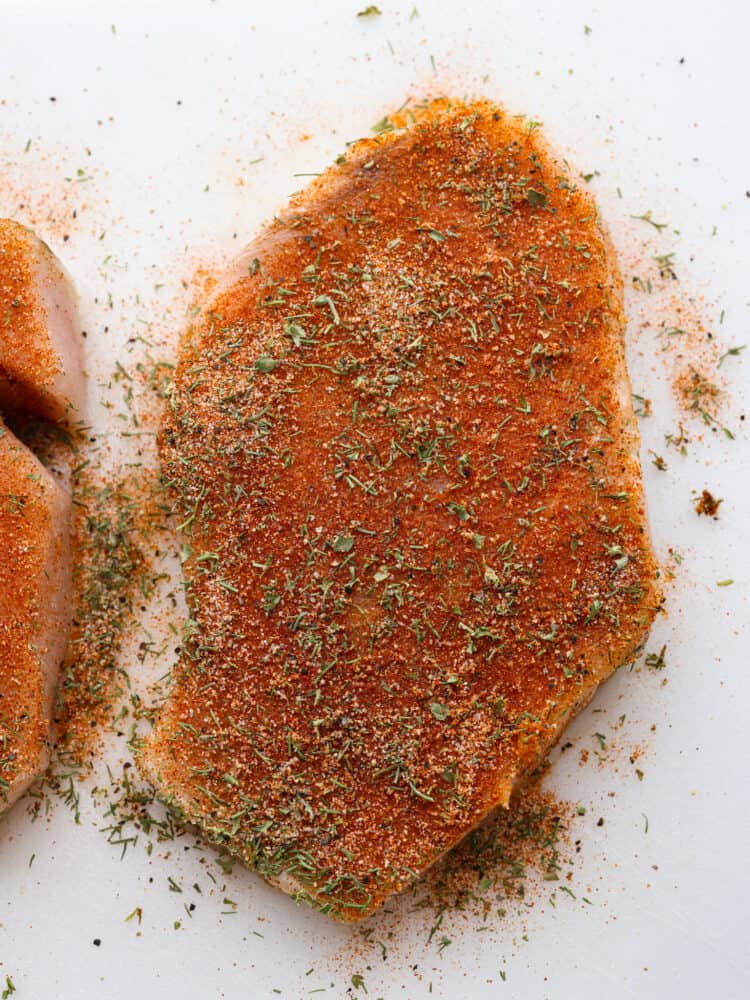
(34, 610)
(404, 462)
(41, 356)
(41, 376)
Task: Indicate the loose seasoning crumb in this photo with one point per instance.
(732, 352)
(641, 406)
(707, 504)
(657, 661)
(679, 441)
(699, 393)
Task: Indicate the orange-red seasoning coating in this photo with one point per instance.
(34, 564)
(22, 319)
(402, 452)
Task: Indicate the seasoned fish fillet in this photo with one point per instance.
(34, 609)
(41, 376)
(405, 466)
(41, 353)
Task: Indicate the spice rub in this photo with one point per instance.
(402, 455)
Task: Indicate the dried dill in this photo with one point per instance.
(110, 575)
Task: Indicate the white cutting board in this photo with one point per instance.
(164, 107)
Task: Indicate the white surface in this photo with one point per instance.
(252, 80)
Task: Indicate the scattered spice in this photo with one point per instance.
(657, 661)
(708, 504)
(699, 393)
(678, 441)
(111, 526)
(733, 352)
